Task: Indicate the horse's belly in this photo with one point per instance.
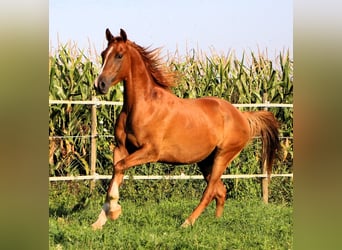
(186, 149)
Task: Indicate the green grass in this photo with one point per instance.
(151, 224)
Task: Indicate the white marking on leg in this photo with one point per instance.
(113, 196)
(102, 218)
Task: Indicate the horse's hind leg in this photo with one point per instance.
(220, 197)
(221, 161)
(220, 190)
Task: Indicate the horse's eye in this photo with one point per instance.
(118, 56)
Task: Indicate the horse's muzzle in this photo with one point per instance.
(100, 86)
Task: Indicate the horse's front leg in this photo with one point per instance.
(112, 199)
(111, 208)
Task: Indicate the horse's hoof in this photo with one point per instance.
(186, 224)
(114, 214)
(96, 226)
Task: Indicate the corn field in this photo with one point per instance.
(252, 79)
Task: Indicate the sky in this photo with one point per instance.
(177, 25)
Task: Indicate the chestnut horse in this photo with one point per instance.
(157, 126)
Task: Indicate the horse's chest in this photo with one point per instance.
(135, 135)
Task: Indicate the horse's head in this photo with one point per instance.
(114, 62)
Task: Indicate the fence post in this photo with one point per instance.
(264, 182)
(93, 143)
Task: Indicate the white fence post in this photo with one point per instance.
(264, 182)
(93, 153)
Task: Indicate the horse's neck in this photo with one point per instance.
(137, 87)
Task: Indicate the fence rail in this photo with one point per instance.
(97, 102)
(162, 177)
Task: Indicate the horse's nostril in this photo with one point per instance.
(102, 85)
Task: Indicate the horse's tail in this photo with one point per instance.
(264, 124)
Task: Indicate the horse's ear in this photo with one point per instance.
(123, 35)
(109, 35)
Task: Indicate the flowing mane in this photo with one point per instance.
(159, 72)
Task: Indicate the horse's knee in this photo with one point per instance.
(208, 195)
(221, 190)
(119, 167)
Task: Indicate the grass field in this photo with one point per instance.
(152, 224)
